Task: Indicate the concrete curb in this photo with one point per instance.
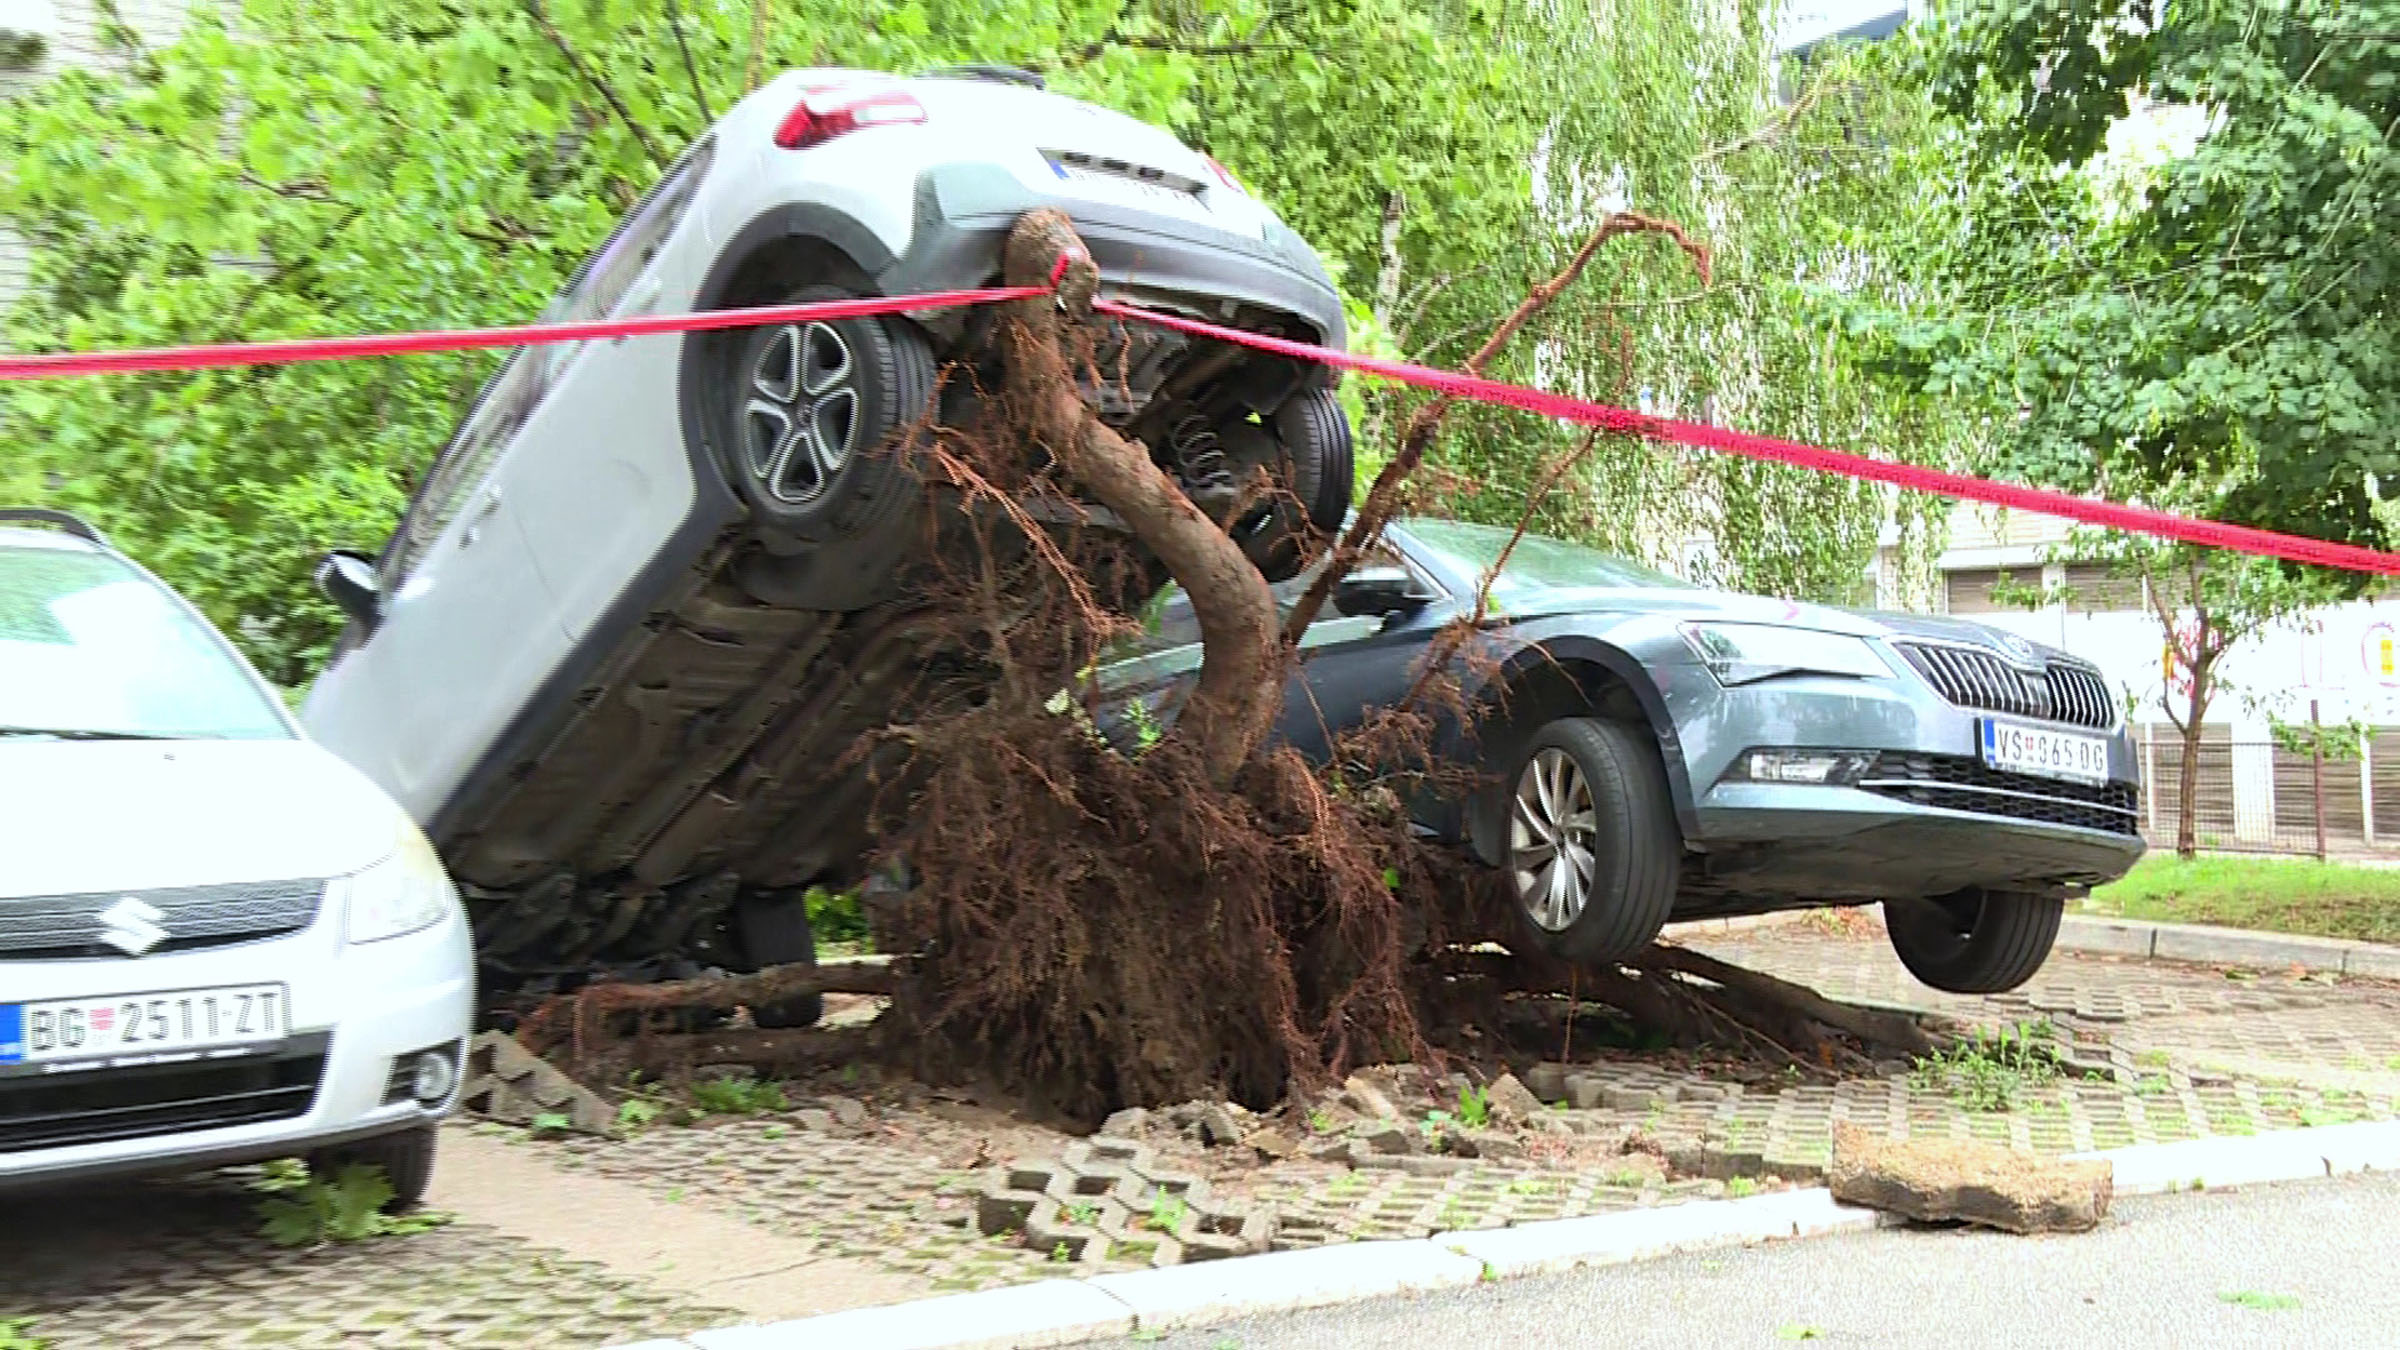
(2226, 946)
(1061, 1312)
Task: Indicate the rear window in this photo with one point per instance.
(90, 646)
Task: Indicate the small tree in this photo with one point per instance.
(2207, 602)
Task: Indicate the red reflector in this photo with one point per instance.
(824, 114)
(1225, 175)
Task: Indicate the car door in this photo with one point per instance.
(1349, 664)
(468, 627)
(604, 475)
(1353, 664)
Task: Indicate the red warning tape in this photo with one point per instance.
(51, 366)
(2089, 510)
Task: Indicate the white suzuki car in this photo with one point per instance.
(218, 942)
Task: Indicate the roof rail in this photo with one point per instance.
(995, 73)
(72, 524)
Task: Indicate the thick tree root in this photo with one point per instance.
(586, 1017)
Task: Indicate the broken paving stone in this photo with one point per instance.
(1327, 1148)
(1583, 1091)
(1391, 1139)
(812, 1118)
(1219, 1125)
(1126, 1124)
(1547, 1081)
(1368, 1099)
(1510, 1101)
(1273, 1142)
(1968, 1181)
(507, 1082)
(847, 1112)
(1487, 1145)
(1629, 1098)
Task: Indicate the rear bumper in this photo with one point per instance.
(965, 211)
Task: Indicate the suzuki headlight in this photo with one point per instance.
(405, 893)
(1739, 653)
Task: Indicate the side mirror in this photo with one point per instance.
(1379, 590)
(349, 580)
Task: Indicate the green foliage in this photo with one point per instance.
(2250, 1298)
(1991, 1070)
(1474, 1107)
(2209, 328)
(552, 1122)
(300, 1210)
(16, 1333)
(2166, 280)
(232, 187)
(834, 916)
(638, 1113)
(737, 1096)
(1167, 1213)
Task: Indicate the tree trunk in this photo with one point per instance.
(1234, 703)
(2187, 806)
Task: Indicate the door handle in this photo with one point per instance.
(483, 512)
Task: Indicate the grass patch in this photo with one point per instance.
(2274, 895)
(1991, 1071)
(2245, 1298)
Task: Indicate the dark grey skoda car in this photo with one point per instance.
(1659, 752)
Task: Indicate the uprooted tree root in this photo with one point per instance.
(1153, 915)
(1097, 928)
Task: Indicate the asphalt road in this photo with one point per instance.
(2305, 1264)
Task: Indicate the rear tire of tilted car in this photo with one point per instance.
(1602, 793)
(1319, 470)
(406, 1159)
(1981, 943)
(774, 931)
(810, 410)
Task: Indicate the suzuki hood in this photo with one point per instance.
(80, 816)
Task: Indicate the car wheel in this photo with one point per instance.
(1980, 942)
(813, 409)
(406, 1159)
(1593, 852)
(1309, 449)
(773, 930)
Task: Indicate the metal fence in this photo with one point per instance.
(2261, 796)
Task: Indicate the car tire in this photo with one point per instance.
(1602, 783)
(811, 410)
(1981, 942)
(1311, 451)
(406, 1158)
(773, 930)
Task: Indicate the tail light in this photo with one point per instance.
(824, 114)
(1225, 175)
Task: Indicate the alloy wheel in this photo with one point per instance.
(802, 411)
(1552, 837)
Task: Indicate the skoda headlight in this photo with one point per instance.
(1739, 653)
(407, 892)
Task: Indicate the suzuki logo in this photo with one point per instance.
(131, 926)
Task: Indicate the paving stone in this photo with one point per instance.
(201, 1278)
